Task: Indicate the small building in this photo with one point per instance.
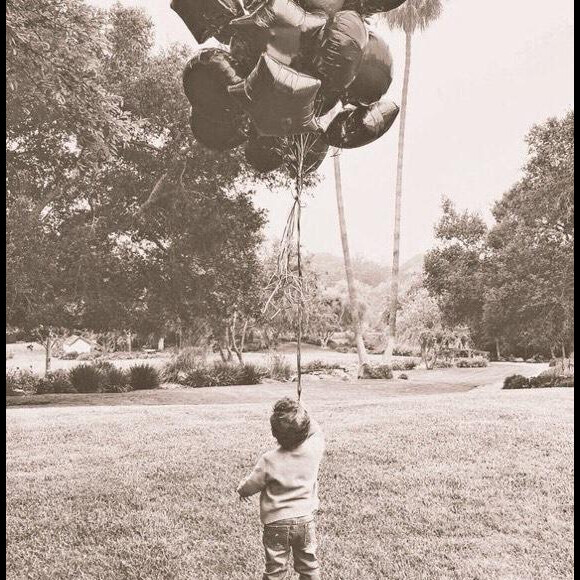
(78, 345)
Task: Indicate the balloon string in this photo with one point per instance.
(300, 168)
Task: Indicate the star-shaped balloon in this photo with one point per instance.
(279, 99)
(281, 28)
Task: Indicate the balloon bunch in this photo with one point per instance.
(307, 67)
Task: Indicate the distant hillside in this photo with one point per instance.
(331, 269)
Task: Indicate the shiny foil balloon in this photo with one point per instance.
(281, 28)
(206, 79)
(375, 74)
(358, 126)
(340, 51)
(279, 100)
(263, 153)
(215, 135)
(328, 7)
(369, 7)
(207, 18)
(246, 51)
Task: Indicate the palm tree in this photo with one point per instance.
(412, 16)
(353, 299)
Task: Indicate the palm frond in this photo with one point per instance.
(413, 15)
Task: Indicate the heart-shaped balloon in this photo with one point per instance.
(361, 125)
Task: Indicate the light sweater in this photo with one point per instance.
(287, 479)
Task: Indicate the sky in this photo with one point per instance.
(481, 76)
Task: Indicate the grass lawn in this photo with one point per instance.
(460, 484)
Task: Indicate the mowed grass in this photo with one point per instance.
(465, 485)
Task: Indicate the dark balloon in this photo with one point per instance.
(263, 153)
(339, 54)
(215, 135)
(370, 7)
(375, 73)
(281, 28)
(279, 99)
(355, 127)
(206, 79)
(207, 18)
(246, 51)
(328, 7)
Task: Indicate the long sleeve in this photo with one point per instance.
(255, 482)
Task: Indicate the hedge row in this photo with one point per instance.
(101, 377)
(539, 382)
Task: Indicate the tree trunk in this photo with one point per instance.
(360, 347)
(238, 348)
(161, 343)
(221, 351)
(48, 359)
(227, 342)
(392, 330)
(129, 336)
(497, 350)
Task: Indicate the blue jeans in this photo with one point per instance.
(295, 536)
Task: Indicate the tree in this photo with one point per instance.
(513, 285)
(410, 17)
(455, 268)
(421, 325)
(354, 303)
(93, 260)
(530, 285)
(60, 118)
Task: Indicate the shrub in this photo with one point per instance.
(278, 368)
(198, 377)
(376, 371)
(9, 355)
(567, 382)
(471, 363)
(547, 381)
(70, 356)
(402, 351)
(319, 366)
(249, 374)
(184, 362)
(55, 382)
(86, 378)
(516, 382)
(113, 379)
(20, 382)
(542, 381)
(403, 376)
(144, 377)
(87, 356)
(222, 374)
(443, 364)
(404, 364)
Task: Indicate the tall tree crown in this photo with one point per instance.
(414, 15)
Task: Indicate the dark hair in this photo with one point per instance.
(290, 423)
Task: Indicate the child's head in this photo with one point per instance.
(290, 423)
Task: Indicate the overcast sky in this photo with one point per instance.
(481, 76)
